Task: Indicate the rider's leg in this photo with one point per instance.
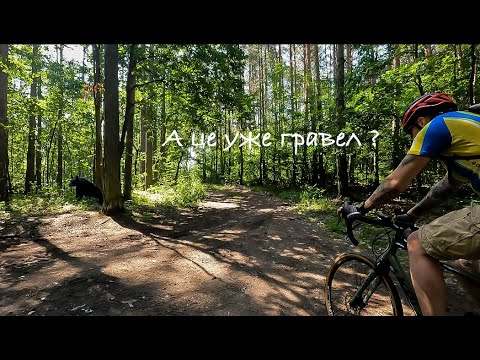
(427, 278)
(455, 235)
(470, 287)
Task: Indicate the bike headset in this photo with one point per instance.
(434, 104)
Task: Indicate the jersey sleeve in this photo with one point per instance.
(432, 140)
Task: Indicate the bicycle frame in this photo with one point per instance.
(404, 281)
(389, 261)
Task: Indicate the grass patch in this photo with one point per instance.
(215, 187)
(145, 204)
(188, 191)
(311, 202)
(49, 201)
(229, 190)
(322, 210)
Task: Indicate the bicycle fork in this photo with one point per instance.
(369, 285)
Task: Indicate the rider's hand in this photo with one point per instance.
(346, 209)
(405, 220)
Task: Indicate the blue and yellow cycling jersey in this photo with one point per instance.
(456, 134)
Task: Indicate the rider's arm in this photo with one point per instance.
(397, 181)
(437, 194)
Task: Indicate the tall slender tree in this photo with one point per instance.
(473, 73)
(3, 123)
(318, 171)
(30, 171)
(128, 124)
(306, 111)
(59, 120)
(342, 174)
(97, 93)
(38, 150)
(111, 166)
(292, 111)
(396, 153)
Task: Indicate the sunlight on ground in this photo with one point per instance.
(267, 210)
(4, 215)
(154, 198)
(218, 205)
(232, 231)
(69, 208)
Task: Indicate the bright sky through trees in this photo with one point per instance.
(70, 52)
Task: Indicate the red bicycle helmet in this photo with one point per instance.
(428, 103)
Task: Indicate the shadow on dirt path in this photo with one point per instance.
(238, 253)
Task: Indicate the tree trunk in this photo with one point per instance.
(418, 77)
(149, 153)
(241, 166)
(204, 165)
(342, 174)
(281, 111)
(229, 125)
(49, 165)
(351, 168)
(59, 154)
(163, 133)
(143, 143)
(396, 153)
(476, 87)
(292, 111)
(3, 124)
(222, 153)
(60, 132)
(150, 141)
(151, 114)
(471, 82)
(455, 67)
(459, 57)
(111, 166)
(129, 117)
(178, 167)
(264, 115)
(30, 171)
(306, 124)
(349, 58)
(216, 154)
(376, 162)
(427, 48)
(260, 115)
(97, 94)
(38, 153)
(317, 172)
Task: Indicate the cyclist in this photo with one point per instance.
(438, 130)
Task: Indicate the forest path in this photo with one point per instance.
(238, 253)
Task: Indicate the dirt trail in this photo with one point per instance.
(237, 253)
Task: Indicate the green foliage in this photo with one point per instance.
(216, 187)
(188, 191)
(311, 193)
(49, 201)
(229, 88)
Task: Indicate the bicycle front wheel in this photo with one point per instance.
(347, 276)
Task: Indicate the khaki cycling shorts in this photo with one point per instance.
(455, 235)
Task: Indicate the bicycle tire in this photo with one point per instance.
(339, 289)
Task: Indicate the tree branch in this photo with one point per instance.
(149, 82)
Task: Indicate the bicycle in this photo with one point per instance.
(375, 287)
